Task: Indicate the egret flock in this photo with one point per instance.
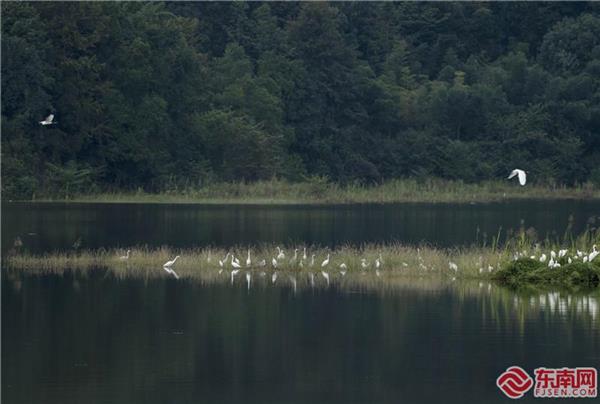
(278, 262)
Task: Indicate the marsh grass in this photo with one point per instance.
(321, 191)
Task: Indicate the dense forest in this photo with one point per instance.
(157, 96)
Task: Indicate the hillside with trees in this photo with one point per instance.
(157, 96)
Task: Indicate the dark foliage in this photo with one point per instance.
(165, 95)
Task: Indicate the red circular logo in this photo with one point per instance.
(515, 382)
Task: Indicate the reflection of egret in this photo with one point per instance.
(125, 257)
(326, 276)
(274, 277)
(170, 263)
(294, 282)
(311, 276)
(234, 272)
(326, 262)
(378, 262)
(248, 278)
(170, 271)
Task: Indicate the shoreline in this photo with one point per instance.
(277, 192)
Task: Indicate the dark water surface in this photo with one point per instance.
(101, 340)
(46, 227)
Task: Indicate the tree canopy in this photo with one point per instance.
(161, 95)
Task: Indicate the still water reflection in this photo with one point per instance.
(98, 339)
(47, 227)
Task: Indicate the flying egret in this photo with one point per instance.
(170, 263)
(326, 262)
(125, 257)
(48, 121)
(248, 260)
(521, 174)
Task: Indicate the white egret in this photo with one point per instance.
(363, 263)
(570, 261)
(295, 257)
(170, 263)
(248, 260)
(325, 262)
(223, 261)
(593, 254)
(235, 263)
(281, 254)
(453, 266)
(520, 174)
(48, 121)
(312, 260)
(304, 257)
(543, 258)
(125, 257)
(378, 262)
(274, 263)
(562, 253)
(208, 258)
(552, 254)
(343, 269)
(301, 264)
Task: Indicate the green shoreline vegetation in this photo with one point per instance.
(320, 191)
(519, 263)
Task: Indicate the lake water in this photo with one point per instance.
(97, 339)
(44, 227)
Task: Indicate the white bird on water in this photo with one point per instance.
(170, 271)
(125, 257)
(48, 121)
(235, 263)
(248, 279)
(325, 263)
(520, 174)
(281, 254)
(234, 272)
(170, 263)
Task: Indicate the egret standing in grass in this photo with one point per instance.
(248, 260)
(281, 254)
(520, 174)
(223, 261)
(325, 262)
(593, 254)
(234, 262)
(170, 263)
(125, 257)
